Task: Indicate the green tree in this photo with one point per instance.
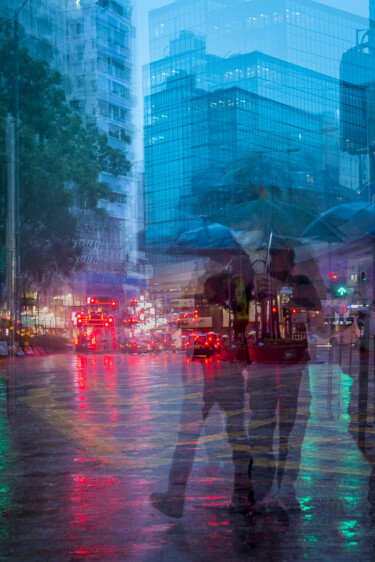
(60, 161)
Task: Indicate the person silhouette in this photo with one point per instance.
(274, 391)
(221, 384)
(218, 383)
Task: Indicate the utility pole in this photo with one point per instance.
(11, 250)
(17, 310)
(13, 261)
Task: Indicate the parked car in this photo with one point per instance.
(339, 331)
(199, 345)
(137, 345)
(215, 341)
(163, 341)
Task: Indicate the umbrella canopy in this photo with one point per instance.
(361, 222)
(340, 214)
(207, 240)
(267, 216)
(348, 220)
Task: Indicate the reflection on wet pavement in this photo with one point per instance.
(114, 457)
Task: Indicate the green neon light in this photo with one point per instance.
(342, 291)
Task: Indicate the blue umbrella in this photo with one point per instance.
(348, 220)
(208, 239)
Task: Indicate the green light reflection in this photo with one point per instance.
(5, 445)
(347, 529)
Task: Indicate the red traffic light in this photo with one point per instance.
(332, 276)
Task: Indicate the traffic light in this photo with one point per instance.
(286, 313)
(341, 291)
(363, 277)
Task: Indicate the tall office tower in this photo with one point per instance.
(231, 79)
(357, 111)
(302, 32)
(99, 63)
(91, 42)
(193, 136)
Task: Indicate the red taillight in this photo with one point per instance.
(294, 311)
(164, 341)
(206, 343)
(111, 320)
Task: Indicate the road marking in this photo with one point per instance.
(91, 438)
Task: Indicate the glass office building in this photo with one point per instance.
(302, 32)
(357, 109)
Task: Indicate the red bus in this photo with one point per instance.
(94, 327)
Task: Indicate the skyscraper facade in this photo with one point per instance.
(357, 107)
(302, 32)
(99, 64)
(280, 60)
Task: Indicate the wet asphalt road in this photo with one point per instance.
(86, 439)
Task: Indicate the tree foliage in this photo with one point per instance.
(60, 161)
